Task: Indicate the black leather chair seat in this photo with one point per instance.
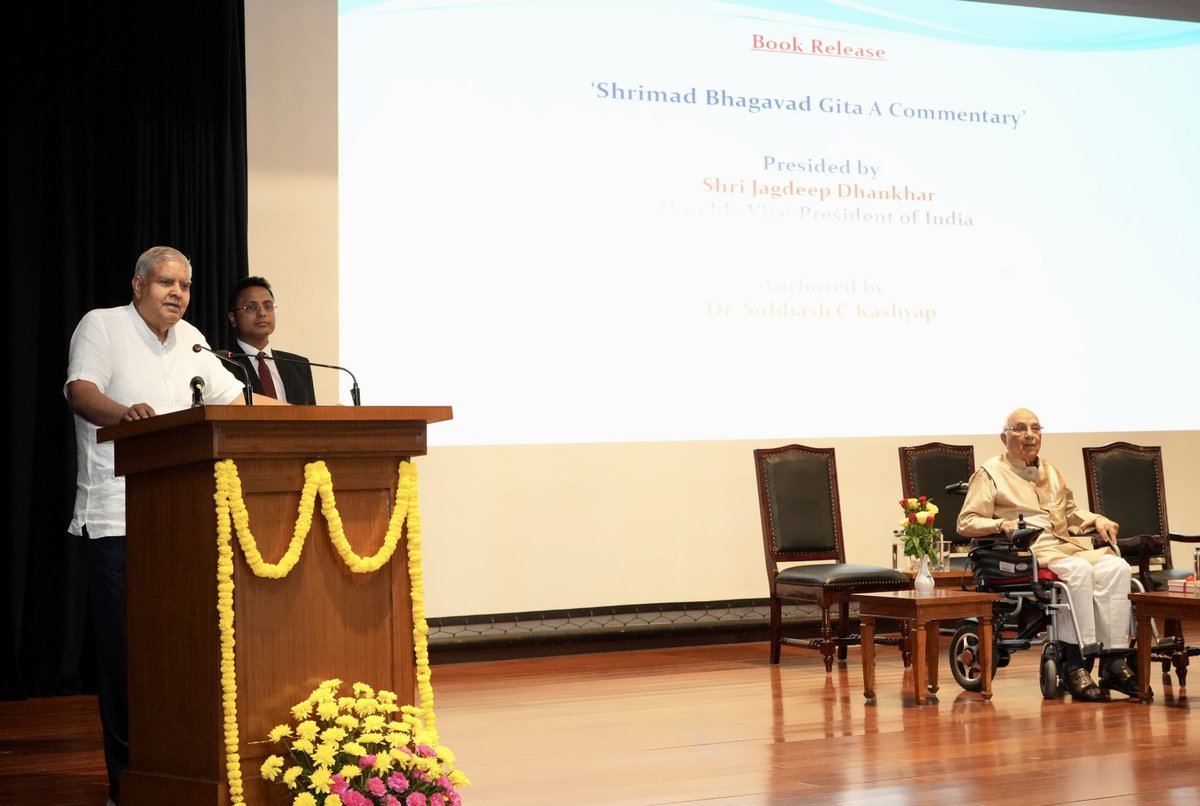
(842, 575)
(1161, 576)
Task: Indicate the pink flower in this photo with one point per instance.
(437, 799)
(376, 786)
(366, 761)
(338, 785)
(390, 800)
(397, 783)
(455, 799)
(426, 751)
(444, 783)
(416, 799)
(352, 798)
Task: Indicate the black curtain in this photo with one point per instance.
(125, 128)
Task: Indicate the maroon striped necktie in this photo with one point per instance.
(264, 376)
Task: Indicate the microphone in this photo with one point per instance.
(354, 392)
(227, 357)
(197, 392)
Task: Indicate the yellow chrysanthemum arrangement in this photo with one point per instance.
(362, 750)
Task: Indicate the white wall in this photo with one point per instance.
(291, 109)
(520, 528)
(528, 528)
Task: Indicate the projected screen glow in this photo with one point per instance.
(640, 220)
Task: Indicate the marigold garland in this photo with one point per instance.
(233, 769)
(232, 515)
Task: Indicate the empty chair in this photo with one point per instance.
(802, 523)
(928, 470)
(1125, 483)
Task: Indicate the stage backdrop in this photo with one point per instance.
(124, 128)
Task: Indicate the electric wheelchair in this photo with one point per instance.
(1029, 600)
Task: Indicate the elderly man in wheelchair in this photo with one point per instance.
(1018, 489)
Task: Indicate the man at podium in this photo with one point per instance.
(129, 363)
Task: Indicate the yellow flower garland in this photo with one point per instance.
(233, 770)
(232, 515)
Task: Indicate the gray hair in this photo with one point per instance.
(157, 255)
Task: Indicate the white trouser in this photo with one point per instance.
(1100, 595)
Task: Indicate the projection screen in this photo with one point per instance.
(643, 220)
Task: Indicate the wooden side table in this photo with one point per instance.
(1148, 606)
(922, 612)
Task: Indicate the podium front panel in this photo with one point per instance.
(322, 621)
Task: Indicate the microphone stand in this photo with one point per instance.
(354, 392)
(227, 357)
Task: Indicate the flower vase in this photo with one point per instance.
(923, 584)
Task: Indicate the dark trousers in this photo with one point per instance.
(106, 595)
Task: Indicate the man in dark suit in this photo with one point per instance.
(252, 316)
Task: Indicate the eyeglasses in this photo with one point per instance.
(1021, 428)
(254, 307)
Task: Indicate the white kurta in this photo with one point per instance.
(116, 350)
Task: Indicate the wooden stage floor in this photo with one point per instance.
(719, 725)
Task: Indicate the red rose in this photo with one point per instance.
(922, 499)
(912, 518)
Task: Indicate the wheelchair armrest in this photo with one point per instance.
(1185, 538)
(1023, 538)
(1146, 547)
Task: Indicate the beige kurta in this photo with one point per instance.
(1004, 488)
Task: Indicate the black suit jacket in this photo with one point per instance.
(296, 377)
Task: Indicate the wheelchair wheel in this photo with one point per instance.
(964, 657)
(1051, 664)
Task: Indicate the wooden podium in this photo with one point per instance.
(321, 621)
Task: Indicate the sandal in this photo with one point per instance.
(1083, 687)
(1117, 675)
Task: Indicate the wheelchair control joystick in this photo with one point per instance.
(1024, 535)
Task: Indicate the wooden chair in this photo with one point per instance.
(1125, 483)
(802, 523)
(928, 470)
